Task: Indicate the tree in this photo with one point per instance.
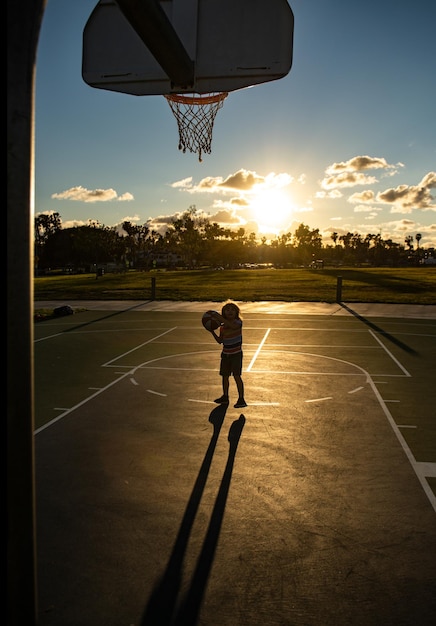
(409, 242)
(45, 225)
(186, 234)
(135, 244)
(81, 247)
(192, 239)
(308, 243)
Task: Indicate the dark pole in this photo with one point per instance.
(339, 289)
(153, 288)
(23, 26)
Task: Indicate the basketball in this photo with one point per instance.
(208, 322)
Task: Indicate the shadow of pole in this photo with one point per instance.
(161, 604)
(190, 607)
(106, 316)
(379, 330)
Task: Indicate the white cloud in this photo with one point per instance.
(347, 179)
(364, 196)
(242, 181)
(81, 194)
(406, 198)
(359, 164)
(360, 208)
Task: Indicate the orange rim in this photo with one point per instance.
(197, 99)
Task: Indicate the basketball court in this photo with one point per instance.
(156, 506)
(314, 504)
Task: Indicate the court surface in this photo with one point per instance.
(314, 505)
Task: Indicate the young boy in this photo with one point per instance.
(230, 336)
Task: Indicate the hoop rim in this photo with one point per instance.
(197, 99)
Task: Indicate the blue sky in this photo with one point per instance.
(346, 142)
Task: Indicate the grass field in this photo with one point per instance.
(415, 285)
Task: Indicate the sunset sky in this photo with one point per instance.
(346, 142)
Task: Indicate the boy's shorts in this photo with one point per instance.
(231, 364)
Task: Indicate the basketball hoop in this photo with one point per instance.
(195, 116)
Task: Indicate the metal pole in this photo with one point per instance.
(153, 288)
(24, 21)
(339, 289)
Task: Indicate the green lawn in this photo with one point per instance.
(415, 285)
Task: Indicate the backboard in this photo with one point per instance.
(204, 45)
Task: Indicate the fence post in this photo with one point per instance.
(153, 288)
(339, 289)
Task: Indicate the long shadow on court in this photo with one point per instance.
(379, 330)
(161, 606)
(104, 317)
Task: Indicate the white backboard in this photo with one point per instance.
(233, 44)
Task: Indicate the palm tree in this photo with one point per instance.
(418, 239)
(409, 241)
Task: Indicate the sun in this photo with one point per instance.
(272, 209)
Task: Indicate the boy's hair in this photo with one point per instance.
(235, 306)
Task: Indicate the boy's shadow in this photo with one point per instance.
(162, 603)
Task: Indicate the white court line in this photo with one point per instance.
(428, 470)
(79, 404)
(49, 337)
(417, 467)
(421, 469)
(120, 356)
(403, 369)
(258, 350)
(250, 404)
(264, 404)
(156, 393)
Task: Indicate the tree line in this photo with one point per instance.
(193, 241)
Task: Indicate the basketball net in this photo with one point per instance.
(195, 116)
